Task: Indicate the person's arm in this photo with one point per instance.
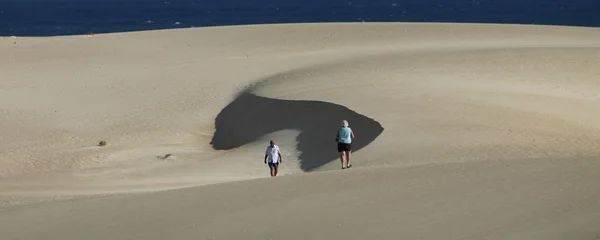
(280, 157)
(266, 155)
(352, 133)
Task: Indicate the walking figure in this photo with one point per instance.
(273, 157)
(344, 143)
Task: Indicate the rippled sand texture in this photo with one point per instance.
(464, 131)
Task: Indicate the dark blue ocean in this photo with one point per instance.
(67, 17)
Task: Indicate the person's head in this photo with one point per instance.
(344, 123)
(272, 143)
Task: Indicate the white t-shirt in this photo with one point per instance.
(273, 153)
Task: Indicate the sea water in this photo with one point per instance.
(68, 17)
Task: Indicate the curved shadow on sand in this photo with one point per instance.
(249, 117)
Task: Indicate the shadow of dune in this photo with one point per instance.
(250, 117)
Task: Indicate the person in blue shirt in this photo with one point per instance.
(344, 143)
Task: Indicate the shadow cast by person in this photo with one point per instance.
(250, 117)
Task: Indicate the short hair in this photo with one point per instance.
(345, 123)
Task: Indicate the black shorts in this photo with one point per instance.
(344, 147)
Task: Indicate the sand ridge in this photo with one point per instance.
(451, 98)
(163, 95)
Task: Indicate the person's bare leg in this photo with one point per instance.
(342, 159)
(348, 156)
(271, 171)
(275, 171)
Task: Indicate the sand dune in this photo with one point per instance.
(464, 131)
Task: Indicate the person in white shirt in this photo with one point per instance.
(273, 157)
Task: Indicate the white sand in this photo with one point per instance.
(489, 132)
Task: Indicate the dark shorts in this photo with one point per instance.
(273, 165)
(344, 147)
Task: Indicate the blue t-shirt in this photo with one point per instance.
(344, 135)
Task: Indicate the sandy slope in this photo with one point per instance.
(503, 120)
(515, 199)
